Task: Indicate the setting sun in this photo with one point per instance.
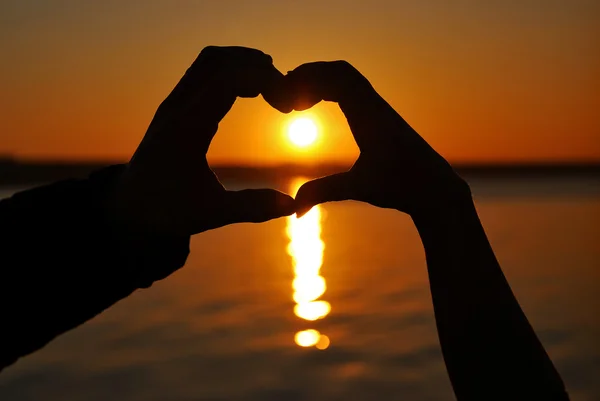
(302, 132)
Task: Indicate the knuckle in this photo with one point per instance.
(209, 50)
(346, 72)
(209, 54)
(305, 191)
(345, 67)
(268, 58)
(342, 64)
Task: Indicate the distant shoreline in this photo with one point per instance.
(14, 172)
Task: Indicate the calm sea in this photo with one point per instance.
(333, 306)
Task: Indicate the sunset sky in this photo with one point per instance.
(492, 80)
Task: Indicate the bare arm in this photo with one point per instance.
(490, 349)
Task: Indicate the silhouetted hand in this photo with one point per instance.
(396, 167)
(168, 185)
(490, 350)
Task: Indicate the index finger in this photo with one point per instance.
(210, 86)
(226, 63)
(338, 81)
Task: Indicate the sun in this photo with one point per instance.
(302, 132)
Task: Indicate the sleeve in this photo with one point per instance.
(63, 261)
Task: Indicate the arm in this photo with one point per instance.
(71, 249)
(490, 350)
(64, 260)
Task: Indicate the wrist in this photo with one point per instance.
(449, 225)
(132, 206)
(442, 198)
(149, 252)
(127, 206)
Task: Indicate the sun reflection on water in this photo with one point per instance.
(306, 249)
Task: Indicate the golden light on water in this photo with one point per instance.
(323, 342)
(307, 338)
(306, 249)
(312, 310)
(312, 338)
(302, 131)
(308, 287)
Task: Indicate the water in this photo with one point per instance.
(236, 322)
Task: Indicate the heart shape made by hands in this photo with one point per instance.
(170, 173)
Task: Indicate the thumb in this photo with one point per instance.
(258, 205)
(336, 187)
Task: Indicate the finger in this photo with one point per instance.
(216, 96)
(250, 72)
(210, 87)
(336, 187)
(257, 205)
(276, 93)
(336, 81)
(238, 71)
(253, 75)
(210, 60)
(214, 60)
(367, 113)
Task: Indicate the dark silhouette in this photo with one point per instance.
(74, 248)
(490, 350)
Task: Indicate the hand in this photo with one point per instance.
(396, 167)
(168, 185)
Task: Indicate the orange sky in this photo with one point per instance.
(480, 80)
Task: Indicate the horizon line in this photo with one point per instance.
(10, 159)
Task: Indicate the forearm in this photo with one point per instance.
(64, 261)
(490, 349)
